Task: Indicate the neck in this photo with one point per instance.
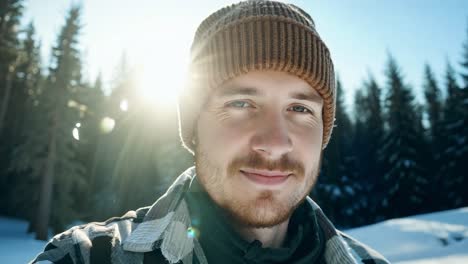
(271, 237)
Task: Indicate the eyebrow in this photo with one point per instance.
(306, 96)
(236, 90)
(242, 90)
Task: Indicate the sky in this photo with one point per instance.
(156, 36)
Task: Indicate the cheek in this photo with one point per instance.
(307, 134)
(221, 137)
(307, 144)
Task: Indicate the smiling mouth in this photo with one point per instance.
(266, 177)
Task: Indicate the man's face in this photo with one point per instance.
(258, 146)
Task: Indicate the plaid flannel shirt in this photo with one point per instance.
(164, 227)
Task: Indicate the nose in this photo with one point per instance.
(272, 139)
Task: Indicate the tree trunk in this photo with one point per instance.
(32, 226)
(32, 218)
(92, 174)
(6, 97)
(47, 184)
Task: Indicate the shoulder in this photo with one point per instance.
(132, 237)
(92, 241)
(363, 251)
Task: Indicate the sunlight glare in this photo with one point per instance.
(159, 83)
(161, 60)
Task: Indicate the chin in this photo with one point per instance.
(265, 210)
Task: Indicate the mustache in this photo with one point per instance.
(256, 161)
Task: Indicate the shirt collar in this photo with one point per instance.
(165, 224)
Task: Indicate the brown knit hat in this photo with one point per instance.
(255, 35)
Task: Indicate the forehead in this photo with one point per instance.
(268, 83)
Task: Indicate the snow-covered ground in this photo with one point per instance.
(440, 237)
(15, 245)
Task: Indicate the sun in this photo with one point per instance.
(157, 51)
(160, 83)
(161, 60)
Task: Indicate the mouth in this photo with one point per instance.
(266, 177)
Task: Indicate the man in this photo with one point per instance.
(257, 115)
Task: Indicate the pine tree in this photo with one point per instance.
(119, 109)
(434, 113)
(10, 14)
(49, 150)
(97, 102)
(464, 62)
(454, 153)
(434, 104)
(26, 84)
(367, 141)
(405, 181)
(463, 136)
(91, 104)
(144, 145)
(26, 87)
(337, 188)
(135, 156)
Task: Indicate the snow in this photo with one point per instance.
(15, 245)
(436, 238)
(440, 237)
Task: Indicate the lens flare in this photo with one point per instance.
(107, 125)
(192, 232)
(76, 133)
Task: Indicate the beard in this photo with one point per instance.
(261, 208)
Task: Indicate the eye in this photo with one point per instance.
(238, 104)
(300, 109)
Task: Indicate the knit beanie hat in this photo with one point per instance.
(255, 35)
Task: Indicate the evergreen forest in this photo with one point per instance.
(70, 152)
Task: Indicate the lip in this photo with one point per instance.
(266, 177)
